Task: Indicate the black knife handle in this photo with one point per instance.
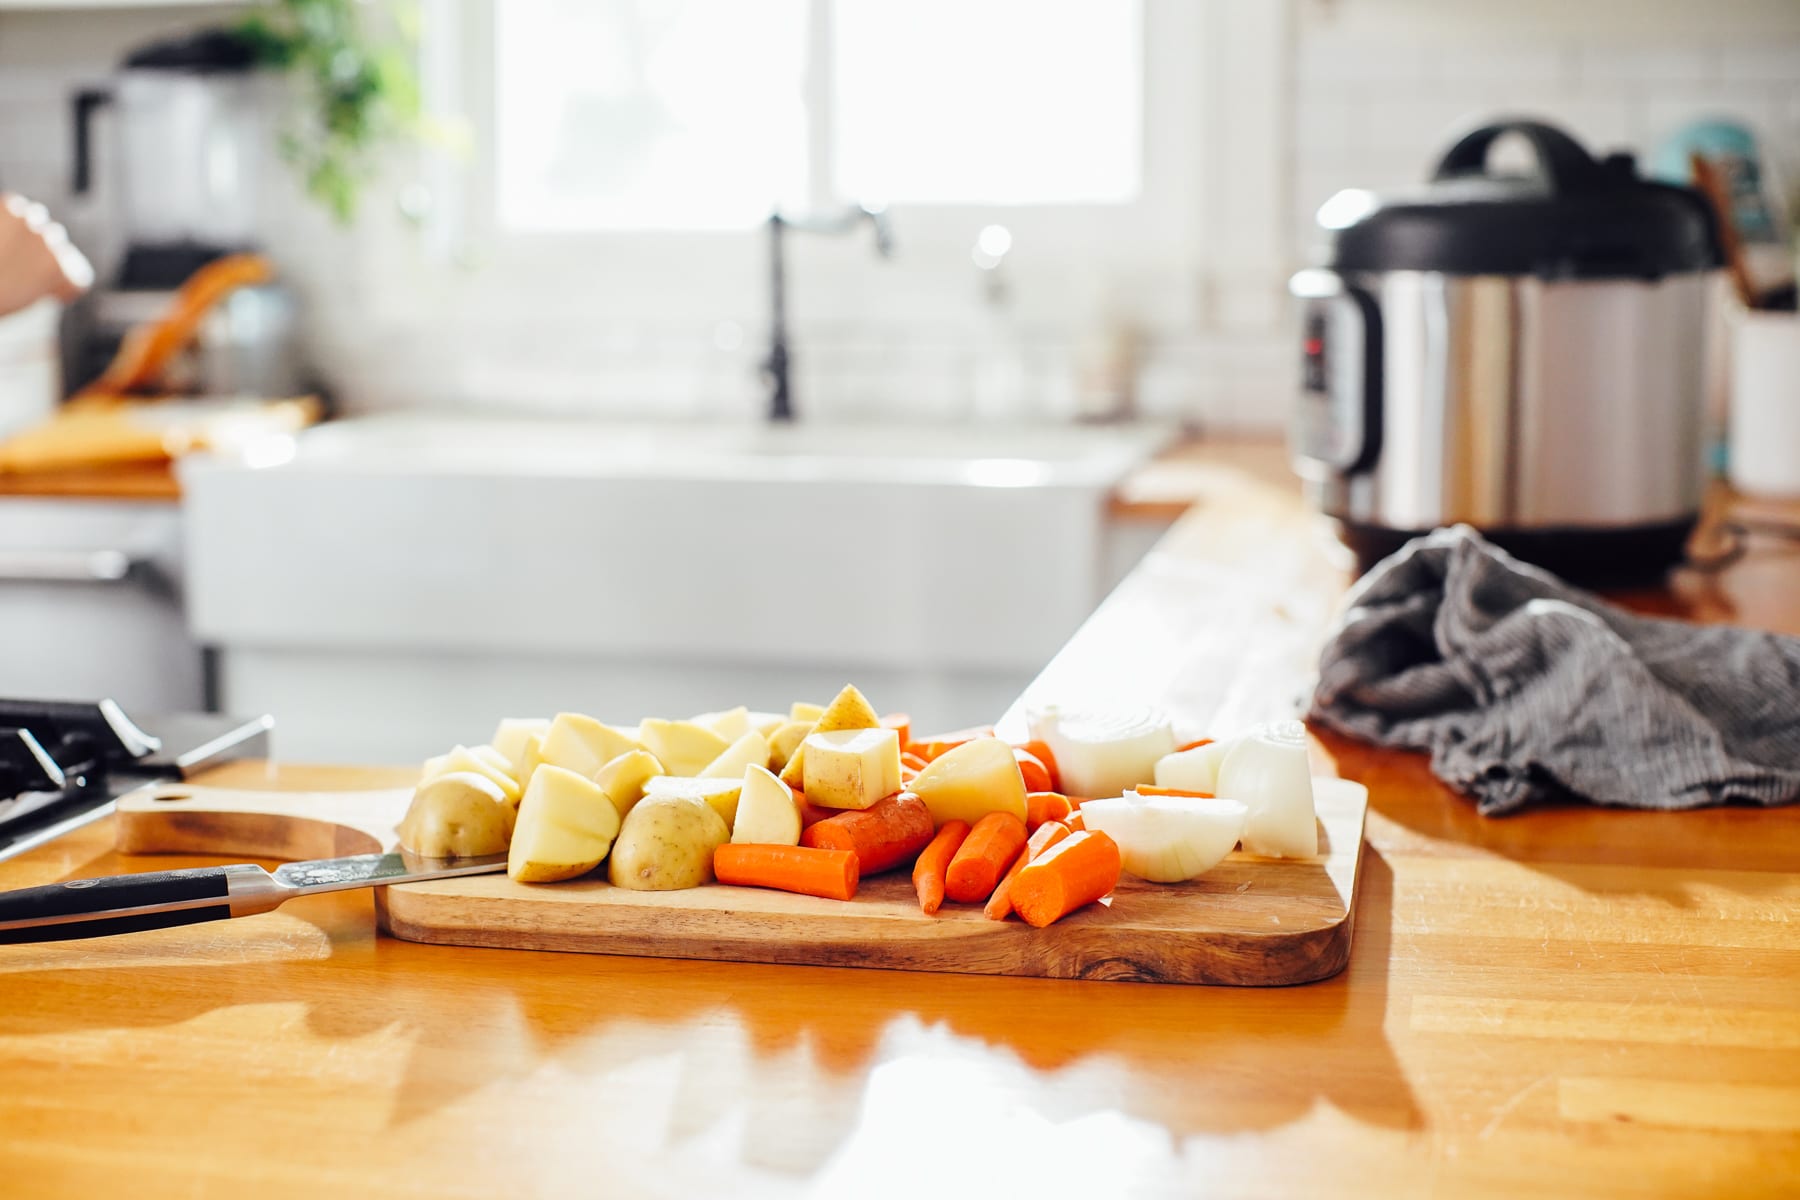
(114, 904)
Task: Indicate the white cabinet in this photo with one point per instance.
(90, 605)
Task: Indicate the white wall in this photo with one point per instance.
(1382, 86)
(1374, 88)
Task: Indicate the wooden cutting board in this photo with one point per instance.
(1251, 921)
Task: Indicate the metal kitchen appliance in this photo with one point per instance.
(63, 764)
(1522, 353)
(189, 126)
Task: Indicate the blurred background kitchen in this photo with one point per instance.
(1024, 246)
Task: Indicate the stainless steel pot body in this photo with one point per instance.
(1511, 403)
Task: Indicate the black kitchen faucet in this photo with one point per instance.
(775, 367)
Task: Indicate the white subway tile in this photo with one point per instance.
(1774, 62)
(1415, 129)
(1323, 59)
(1537, 63)
(1329, 124)
(1615, 64)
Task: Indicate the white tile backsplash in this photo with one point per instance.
(1636, 65)
(1517, 65)
(1376, 102)
(1762, 63)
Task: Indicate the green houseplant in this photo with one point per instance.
(352, 65)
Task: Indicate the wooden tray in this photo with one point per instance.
(1249, 922)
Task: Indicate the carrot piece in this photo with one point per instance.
(1075, 822)
(999, 905)
(804, 869)
(885, 834)
(1042, 752)
(810, 813)
(1195, 745)
(1145, 789)
(990, 848)
(909, 759)
(1045, 805)
(933, 861)
(1077, 871)
(1036, 775)
(938, 744)
(901, 724)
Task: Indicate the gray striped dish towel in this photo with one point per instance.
(1526, 690)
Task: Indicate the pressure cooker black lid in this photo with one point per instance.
(1575, 218)
(204, 52)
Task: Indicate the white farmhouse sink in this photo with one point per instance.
(455, 569)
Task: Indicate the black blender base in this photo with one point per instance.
(1628, 556)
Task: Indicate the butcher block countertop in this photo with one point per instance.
(1567, 1002)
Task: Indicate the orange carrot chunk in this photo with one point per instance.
(999, 905)
(1045, 806)
(1036, 776)
(1042, 752)
(1079, 870)
(1195, 745)
(909, 759)
(810, 813)
(990, 848)
(1146, 789)
(1075, 821)
(933, 862)
(804, 869)
(901, 724)
(885, 834)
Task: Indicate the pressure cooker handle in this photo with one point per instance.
(86, 101)
(1560, 158)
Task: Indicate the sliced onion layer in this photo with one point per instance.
(1103, 754)
(1168, 839)
(1267, 772)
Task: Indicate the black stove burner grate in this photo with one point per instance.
(62, 763)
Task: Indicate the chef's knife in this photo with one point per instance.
(83, 908)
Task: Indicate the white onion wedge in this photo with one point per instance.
(1167, 839)
(1195, 770)
(1103, 754)
(1267, 772)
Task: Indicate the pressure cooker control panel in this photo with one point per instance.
(1337, 420)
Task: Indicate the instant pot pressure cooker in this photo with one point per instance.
(1521, 353)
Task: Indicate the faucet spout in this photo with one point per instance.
(776, 365)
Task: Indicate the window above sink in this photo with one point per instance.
(1094, 131)
(688, 115)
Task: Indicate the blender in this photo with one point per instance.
(188, 124)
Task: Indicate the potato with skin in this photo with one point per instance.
(458, 815)
(847, 710)
(720, 795)
(682, 747)
(785, 740)
(465, 758)
(566, 824)
(666, 844)
(623, 778)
